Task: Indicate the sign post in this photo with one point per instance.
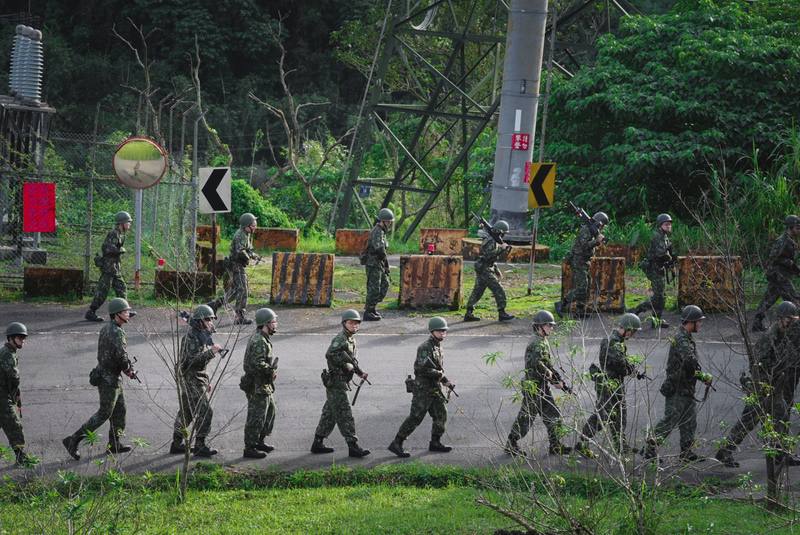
(215, 197)
(541, 178)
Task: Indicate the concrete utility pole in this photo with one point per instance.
(518, 105)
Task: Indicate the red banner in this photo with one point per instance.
(38, 207)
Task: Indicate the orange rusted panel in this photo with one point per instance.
(471, 248)
(446, 241)
(40, 281)
(350, 242)
(182, 285)
(203, 257)
(606, 283)
(282, 239)
(302, 279)
(430, 281)
(714, 283)
(613, 250)
(204, 233)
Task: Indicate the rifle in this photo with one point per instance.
(18, 399)
(482, 223)
(709, 386)
(643, 375)
(131, 373)
(669, 267)
(558, 379)
(594, 228)
(358, 389)
(451, 389)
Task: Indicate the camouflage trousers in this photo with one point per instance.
(377, 286)
(112, 408)
(579, 293)
(236, 290)
(532, 406)
(658, 284)
(260, 418)
(754, 414)
(611, 411)
(778, 285)
(486, 278)
(11, 423)
(194, 407)
(108, 280)
(681, 412)
(425, 402)
(337, 412)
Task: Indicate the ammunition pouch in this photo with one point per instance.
(98, 261)
(362, 258)
(410, 384)
(326, 378)
(95, 377)
(246, 383)
(667, 389)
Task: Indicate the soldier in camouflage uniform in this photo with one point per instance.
(377, 265)
(659, 258)
(240, 255)
(782, 267)
(428, 397)
(109, 264)
(579, 259)
(609, 383)
(487, 274)
(112, 360)
(774, 355)
(683, 372)
(196, 351)
(10, 398)
(258, 383)
(536, 396)
(342, 365)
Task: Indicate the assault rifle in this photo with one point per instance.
(131, 373)
(594, 228)
(483, 224)
(669, 268)
(358, 389)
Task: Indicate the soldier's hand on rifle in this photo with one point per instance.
(216, 348)
(600, 237)
(363, 375)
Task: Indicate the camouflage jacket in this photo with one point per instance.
(195, 354)
(490, 253)
(376, 246)
(259, 373)
(614, 357)
(9, 374)
(429, 365)
(782, 256)
(112, 251)
(659, 253)
(341, 352)
(682, 365)
(775, 356)
(583, 248)
(538, 365)
(112, 354)
(241, 248)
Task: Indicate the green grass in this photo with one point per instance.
(139, 150)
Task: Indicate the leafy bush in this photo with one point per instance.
(246, 199)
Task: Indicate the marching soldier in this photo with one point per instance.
(428, 397)
(342, 365)
(10, 399)
(609, 383)
(683, 372)
(196, 351)
(112, 360)
(487, 274)
(258, 383)
(782, 267)
(377, 265)
(658, 260)
(579, 259)
(536, 396)
(109, 264)
(238, 259)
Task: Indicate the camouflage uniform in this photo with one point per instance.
(536, 396)
(236, 290)
(609, 383)
(579, 259)
(377, 267)
(485, 276)
(258, 383)
(195, 354)
(654, 266)
(428, 397)
(780, 271)
(9, 392)
(337, 410)
(110, 273)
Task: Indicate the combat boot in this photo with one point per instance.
(688, 456)
(658, 323)
(512, 448)
(650, 449)
(266, 448)
(253, 453)
(436, 445)
(558, 449)
(584, 450)
(91, 315)
(201, 449)
(116, 447)
(23, 459)
(470, 315)
(319, 446)
(502, 315)
(396, 447)
(71, 444)
(177, 447)
(242, 320)
(558, 306)
(758, 324)
(354, 450)
(725, 456)
(371, 315)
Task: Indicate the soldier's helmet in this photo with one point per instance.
(663, 218)
(691, 313)
(501, 226)
(792, 221)
(16, 329)
(601, 217)
(264, 316)
(543, 317)
(437, 323)
(630, 322)
(117, 305)
(351, 314)
(202, 312)
(787, 309)
(246, 219)
(123, 217)
(384, 214)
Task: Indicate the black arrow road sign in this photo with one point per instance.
(210, 190)
(537, 181)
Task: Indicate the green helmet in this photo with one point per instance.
(437, 323)
(351, 314)
(202, 312)
(264, 316)
(630, 322)
(16, 329)
(247, 219)
(787, 309)
(117, 305)
(123, 217)
(691, 313)
(601, 217)
(384, 214)
(663, 218)
(792, 221)
(543, 317)
(501, 225)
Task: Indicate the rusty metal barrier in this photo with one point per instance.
(182, 285)
(519, 254)
(430, 281)
(350, 242)
(302, 279)
(714, 283)
(285, 239)
(40, 281)
(441, 241)
(606, 283)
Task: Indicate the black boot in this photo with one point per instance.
(354, 450)
(115, 446)
(512, 447)
(725, 456)
(502, 315)
(558, 448)
(266, 448)
(71, 444)
(470, 315)
(177, 447)
(201, 449)
(583, 449)
(319, 446)
(436, 445)
(688, 456)
(396, 447)
(91, 315)
(558, 306)
(241, 319)
(23, 459)
(657, 322)
(371, 315)
(650, 449)
(253, 453)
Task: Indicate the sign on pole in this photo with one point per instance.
(215, 189)
(541, 185)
